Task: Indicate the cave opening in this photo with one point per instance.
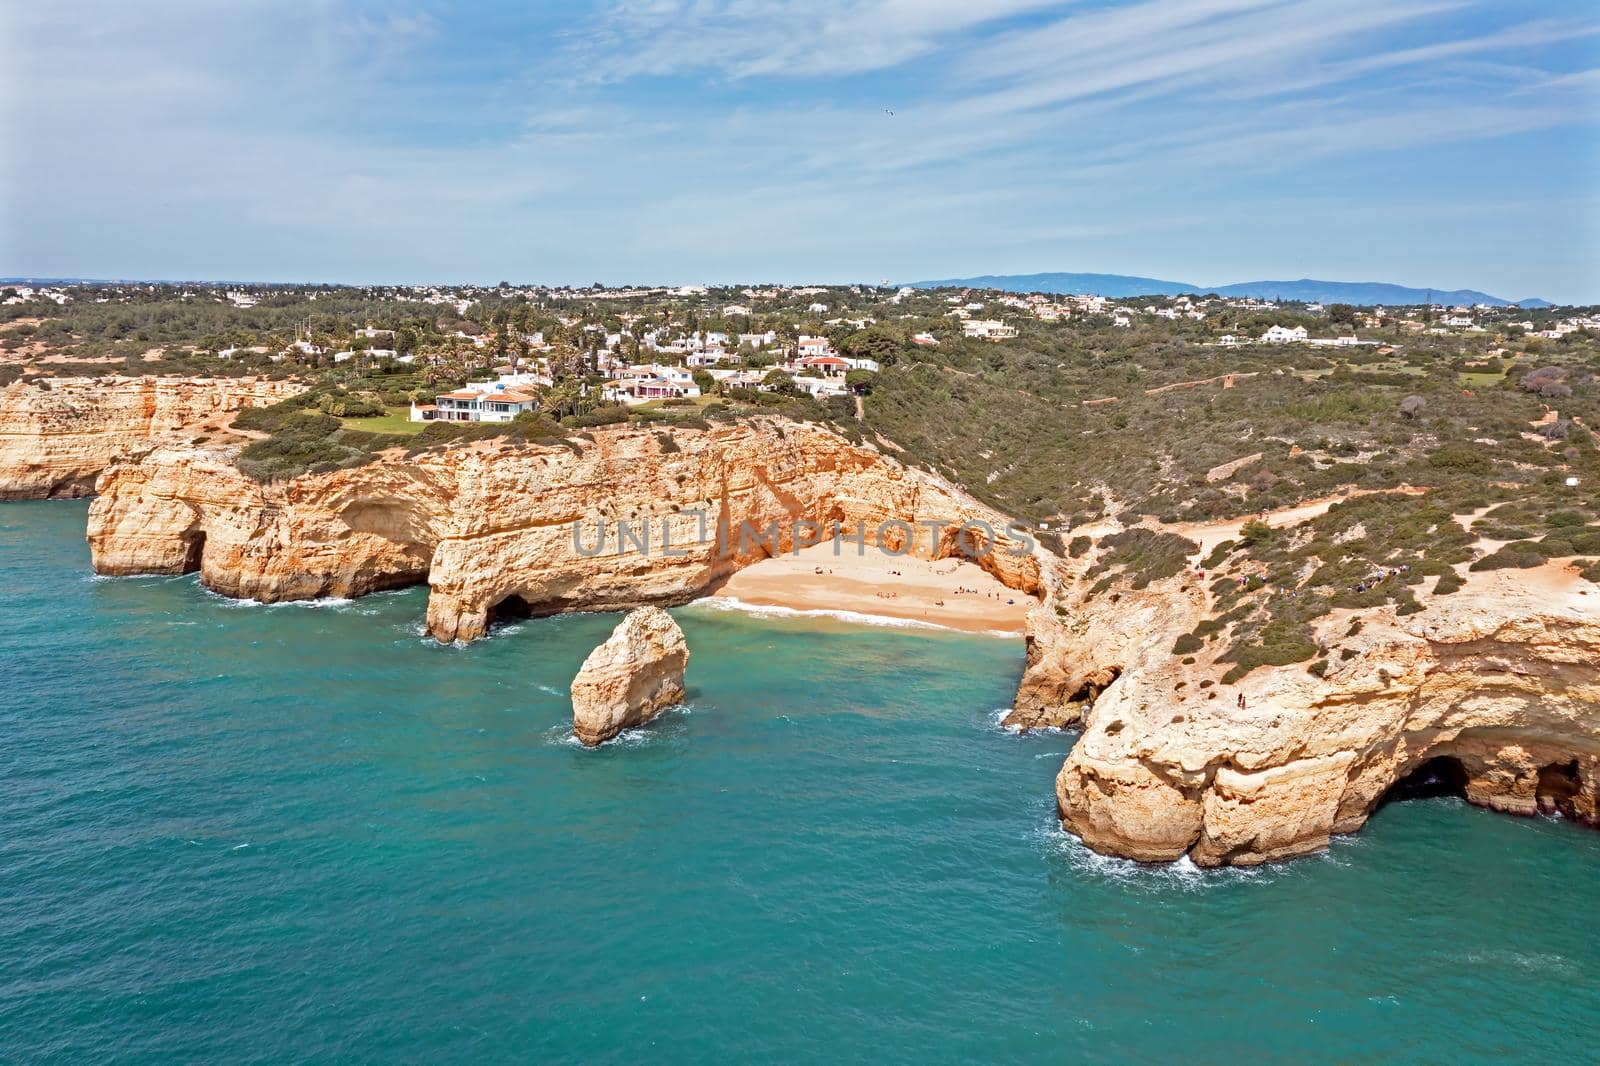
(512, 608)
(1095, 684)
(194, 549)
(1558, 784)
(1442, 776)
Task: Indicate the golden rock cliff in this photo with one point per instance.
(1496, 686)
(501, 527)
(58, 434)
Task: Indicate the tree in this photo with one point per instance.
(779, 382)
(860, 382)
(1412, 406)
(1256, 532)
(1344, 314)
(705, 381)
(874, 342)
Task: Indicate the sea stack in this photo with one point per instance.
(635, 675)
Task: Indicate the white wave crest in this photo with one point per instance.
(764, 610)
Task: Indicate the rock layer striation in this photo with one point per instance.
(58, 434)
(626, 517)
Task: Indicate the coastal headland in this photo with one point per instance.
(1493, 690)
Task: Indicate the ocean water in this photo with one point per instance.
(241, 833)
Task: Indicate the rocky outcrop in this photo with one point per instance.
(1496, 686)
(629, 679)
(58, 434)
(501, 528)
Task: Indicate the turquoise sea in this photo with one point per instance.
(238, 833)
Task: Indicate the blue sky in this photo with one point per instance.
(1443, 143)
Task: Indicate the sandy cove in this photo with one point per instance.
(952, 593)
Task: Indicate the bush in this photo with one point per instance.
(1145, 555)
(1187, 644)
(1519, 555)
(1460, 459)
(1281, 643)
(1256, 533)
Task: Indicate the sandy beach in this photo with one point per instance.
(952, 593)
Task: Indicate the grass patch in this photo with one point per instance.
(392, 421)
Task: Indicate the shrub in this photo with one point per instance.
(1281, 643)
(1256, 533)
(1187, 644)
(1520, 555)
(1460, 459)
(1145, 555)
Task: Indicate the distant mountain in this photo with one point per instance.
(1305, 290)
(1366, 293)
(1112, 285)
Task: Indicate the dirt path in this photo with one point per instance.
(1226, 379)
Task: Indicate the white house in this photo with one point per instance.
(809, 346)
(830, 366)
(1280, 335)
(988, 329)
(490, 401)
(819, 387)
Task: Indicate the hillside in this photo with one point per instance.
(1305, 290)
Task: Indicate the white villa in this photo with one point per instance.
(813, 346)
(1280, 335)
(988, 329)
(486, 401)
(651, 381)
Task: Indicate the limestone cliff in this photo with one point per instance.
(631, 677)
(1500, 680)
(58, 434)
(1500, 683)
(490, 527)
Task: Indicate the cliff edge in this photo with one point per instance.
(58, 434)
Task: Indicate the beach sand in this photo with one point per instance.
(901, 587)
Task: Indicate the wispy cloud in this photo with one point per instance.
(779, 138)
(785, 38)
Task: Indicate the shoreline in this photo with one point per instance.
(950, 594)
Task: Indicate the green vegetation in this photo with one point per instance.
(391, 421)
(1144, 556)
(1070, 422)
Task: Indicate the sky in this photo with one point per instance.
(1437, 143)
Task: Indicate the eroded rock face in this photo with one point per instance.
(1503, 676)
(492, 525)
(1501, 681)
(57, 436)
(629, 679)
